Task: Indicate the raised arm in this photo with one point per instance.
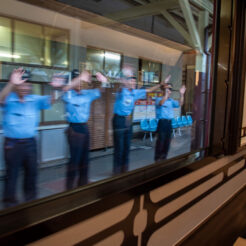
(154, 88)
(164, 98)
(15, 79)
(182, 92)
(85, 76)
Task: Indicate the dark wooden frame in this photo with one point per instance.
(221, 76)
(238, 77)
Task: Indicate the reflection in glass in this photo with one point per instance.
(112, 64)
(5, 40)
(68, 44)
(95, 59)
(56, 112)
(56, 47)
(28, 42)
(151, 72)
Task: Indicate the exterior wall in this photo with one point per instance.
(163, 214)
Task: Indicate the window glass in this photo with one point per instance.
(112, 64)
(37, 90)
(5, 40)
(151, 72)
(56, 112)
(1, 109)
(129, 120)
(28, 42)
(95, 60)
(56, 47)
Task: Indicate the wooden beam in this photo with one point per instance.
(203, 4)
(177, 26)
(141, 1)
(203, 21)
(140, 11)
(189, 19)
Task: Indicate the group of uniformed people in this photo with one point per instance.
(21, 111)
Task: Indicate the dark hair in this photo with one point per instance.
(170, 87)
(170, 84)
(27, 75)
(75, 73)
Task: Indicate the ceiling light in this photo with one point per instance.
(8, 55)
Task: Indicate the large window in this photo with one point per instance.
(150, 72)
(29, 43)
(56, 113)
(56, 47)
(110, 128)
(6, 40)
(104, 61)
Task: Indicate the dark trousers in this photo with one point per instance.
(122, 127)
(78, 140)
(20, 153)
(164, 134)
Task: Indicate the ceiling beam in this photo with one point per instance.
(204, 4)
(189, 19)
(140, 11)
(141, 1)
(203, 21)
(177, 26)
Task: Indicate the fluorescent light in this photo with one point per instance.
(8, 55)
(112, 56)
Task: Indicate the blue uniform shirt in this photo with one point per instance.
(125, 100)
(78, 105)
(20, 119)
(165, 111)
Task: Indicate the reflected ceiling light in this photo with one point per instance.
(8, 55)
(112, 56)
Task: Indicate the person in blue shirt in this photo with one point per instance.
(21, 111)
(122, 120)
(165, 114)
(77, 105)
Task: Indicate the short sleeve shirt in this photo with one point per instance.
(165, 111)
(125, 100)
(20, 119)
(78, 105)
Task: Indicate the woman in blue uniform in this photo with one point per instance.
(165, 114)
(122, 120)
(77, 105)
(21, 112)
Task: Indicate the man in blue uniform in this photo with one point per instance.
(165, 114)
(77, 106)
(122, 120)
(21, 112)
